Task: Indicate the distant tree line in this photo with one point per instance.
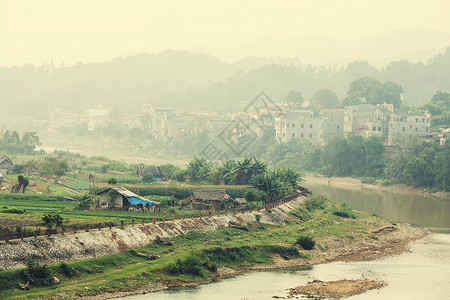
(203, 82)
(11, 142)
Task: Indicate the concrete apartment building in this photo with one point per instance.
(406, 130)
(331, 124)
(378, 124)
(356, 117)
(398, 129)
(297, 124)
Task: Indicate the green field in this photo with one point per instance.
(196, 255)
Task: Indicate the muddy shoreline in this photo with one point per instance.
(356, 184)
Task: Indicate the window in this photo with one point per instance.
(302, 126)
(310, 135)
(284, 134)
(417, 119)
(379, 128)
(337, 127)
(374, 128)
(310, 125)
(301, 135)
(293, 125)
(416, 129)
(404, 129)
(293, 135)
(287, 125)
(423, 120)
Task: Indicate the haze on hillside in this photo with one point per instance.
(217, 56)
(316, 32)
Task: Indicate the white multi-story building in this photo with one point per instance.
(297, 124)
(406, 130)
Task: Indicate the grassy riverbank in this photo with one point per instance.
(200, 257)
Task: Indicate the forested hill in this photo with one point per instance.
(193, 81)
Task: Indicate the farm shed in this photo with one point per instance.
(156, 171)
(122, 199)
(209, 200)
(6, 164)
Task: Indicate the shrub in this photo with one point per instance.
(191, 265)
(344, 211)
(148, 177)
(36, 273)
(13, 211)
(306, 241)
(286, 252)
(258, 218)
(314, 203)
(112, 180)
(179, 175)
(252, 195)
(23, 181)
(67, 270)
(52, 219)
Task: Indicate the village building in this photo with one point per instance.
(119, 198)
(398, 128)
(406, 130)
(331, 124)
(299, 124)
(6, 164)
(356, 118)
(211, 200)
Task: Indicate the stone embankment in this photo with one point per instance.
(95, 243)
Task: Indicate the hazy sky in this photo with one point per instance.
(98, 30)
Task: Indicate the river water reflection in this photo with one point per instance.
(424, 211)
(422, 273)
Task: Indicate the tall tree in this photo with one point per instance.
(359, 91)
(388, 92)
(294, 99)
(325, 98)
(372, 91)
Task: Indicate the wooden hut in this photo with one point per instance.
(209, 200)
(120, 198)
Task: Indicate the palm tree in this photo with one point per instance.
(247, 168)
(227, 172)
(242, 169)
(267, 182)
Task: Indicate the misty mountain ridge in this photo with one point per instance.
(185, 80)
(413, 44)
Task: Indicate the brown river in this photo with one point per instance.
(421, 273)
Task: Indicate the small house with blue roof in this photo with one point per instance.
(119, 198)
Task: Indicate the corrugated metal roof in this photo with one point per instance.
(126, 193)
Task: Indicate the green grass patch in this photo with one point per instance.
(193, 257)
